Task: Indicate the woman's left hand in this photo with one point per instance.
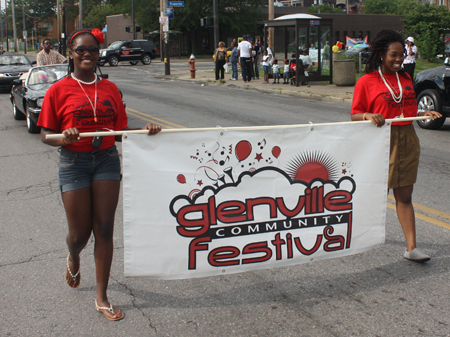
(432, 114)
(152, 129)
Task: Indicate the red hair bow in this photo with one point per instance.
(98, 35)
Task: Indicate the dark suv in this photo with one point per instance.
(132, 51)
(432, 87)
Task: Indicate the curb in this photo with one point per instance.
(291, 93)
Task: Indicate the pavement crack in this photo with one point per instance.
(28, 260)
(150, 323)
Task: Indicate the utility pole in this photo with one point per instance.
(81, 14)
(166, 42)
(24, 32)
(133, 19)
(16, 47)
(1, 24)
(271, 29)
(216, 22)
(64, 27)
(58, 22)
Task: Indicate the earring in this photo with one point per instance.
(381, 59)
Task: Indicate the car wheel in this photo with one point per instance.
(17, 114)
(101, 63)
(113, 61)
(146, 59)
(430, 99)
(31, 125)
(133, 63)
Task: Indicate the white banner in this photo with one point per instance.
(216, 202)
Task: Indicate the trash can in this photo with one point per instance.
(344, 72)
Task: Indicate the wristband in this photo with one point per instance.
(364, 116)
(64, 142)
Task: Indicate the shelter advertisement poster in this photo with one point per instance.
(224, 201)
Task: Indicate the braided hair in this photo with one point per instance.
(379, 47)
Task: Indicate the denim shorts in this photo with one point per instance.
(266, 69)
(77, 170)
(276, 75)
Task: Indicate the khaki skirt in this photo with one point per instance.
(404, 156)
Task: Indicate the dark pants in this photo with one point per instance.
(409, 68)
(246, 66)
(219, 67)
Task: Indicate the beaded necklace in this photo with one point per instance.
(397, 99)
(94, 106)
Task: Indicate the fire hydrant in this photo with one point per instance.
(192, 63)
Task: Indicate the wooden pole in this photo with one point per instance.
(234, 128)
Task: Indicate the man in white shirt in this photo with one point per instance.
(48, 56)
(245, 58)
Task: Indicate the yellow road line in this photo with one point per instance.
(425, 218)
(149, 119)
(426, 209)
(155, 119)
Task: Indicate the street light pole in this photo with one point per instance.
(1, 24)
(81, 14)
(16, 47)
(133, 19)
(216, 22)
(24, 32)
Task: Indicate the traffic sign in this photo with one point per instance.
(176, 3)
(163, 19)
(169, 10)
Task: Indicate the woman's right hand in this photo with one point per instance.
(376, 119)
(71, 135)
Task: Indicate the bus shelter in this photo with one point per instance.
(296, 32)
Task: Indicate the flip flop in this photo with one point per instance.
(110, 311)
(75, 277)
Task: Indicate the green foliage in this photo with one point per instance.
(97, 15)
(426, 23)
(326, 8)
(398, 7)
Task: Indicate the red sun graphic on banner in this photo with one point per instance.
(308, 166)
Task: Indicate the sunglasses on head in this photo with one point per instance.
(81, 50)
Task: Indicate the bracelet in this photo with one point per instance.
(64, 142)
(364, 116)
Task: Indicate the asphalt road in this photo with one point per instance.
(376, 293)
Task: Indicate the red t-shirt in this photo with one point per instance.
(66, 106)
(372, 95)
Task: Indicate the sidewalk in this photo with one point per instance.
(316, 91)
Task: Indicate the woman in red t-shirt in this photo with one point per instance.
(89, 169)
(386, 91)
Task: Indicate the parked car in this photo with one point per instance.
(432, 87)
(12, 66)
(132, 51)
(28, 93)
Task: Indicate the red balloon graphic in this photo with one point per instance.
(276, 151)
(243, 150)
(181, 179)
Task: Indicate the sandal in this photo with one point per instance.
(76, 278)
(110, 312)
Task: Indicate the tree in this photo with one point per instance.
(97, 15)
(426, 23)
(397, 7)
(238, 16)
(326, 8)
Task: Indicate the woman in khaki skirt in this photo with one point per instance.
(386, 92)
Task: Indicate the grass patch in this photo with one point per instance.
(222, 81)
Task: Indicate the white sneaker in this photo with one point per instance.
(416, 255)
(233, 79)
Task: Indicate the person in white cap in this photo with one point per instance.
(409, 63)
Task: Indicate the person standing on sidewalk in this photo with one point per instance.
(265, 63)
(256, 63)
(409, 63)
(245, 58)
(234, 57)
(220, 60)
(48, 56)
(89, 168)
(385, 91)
